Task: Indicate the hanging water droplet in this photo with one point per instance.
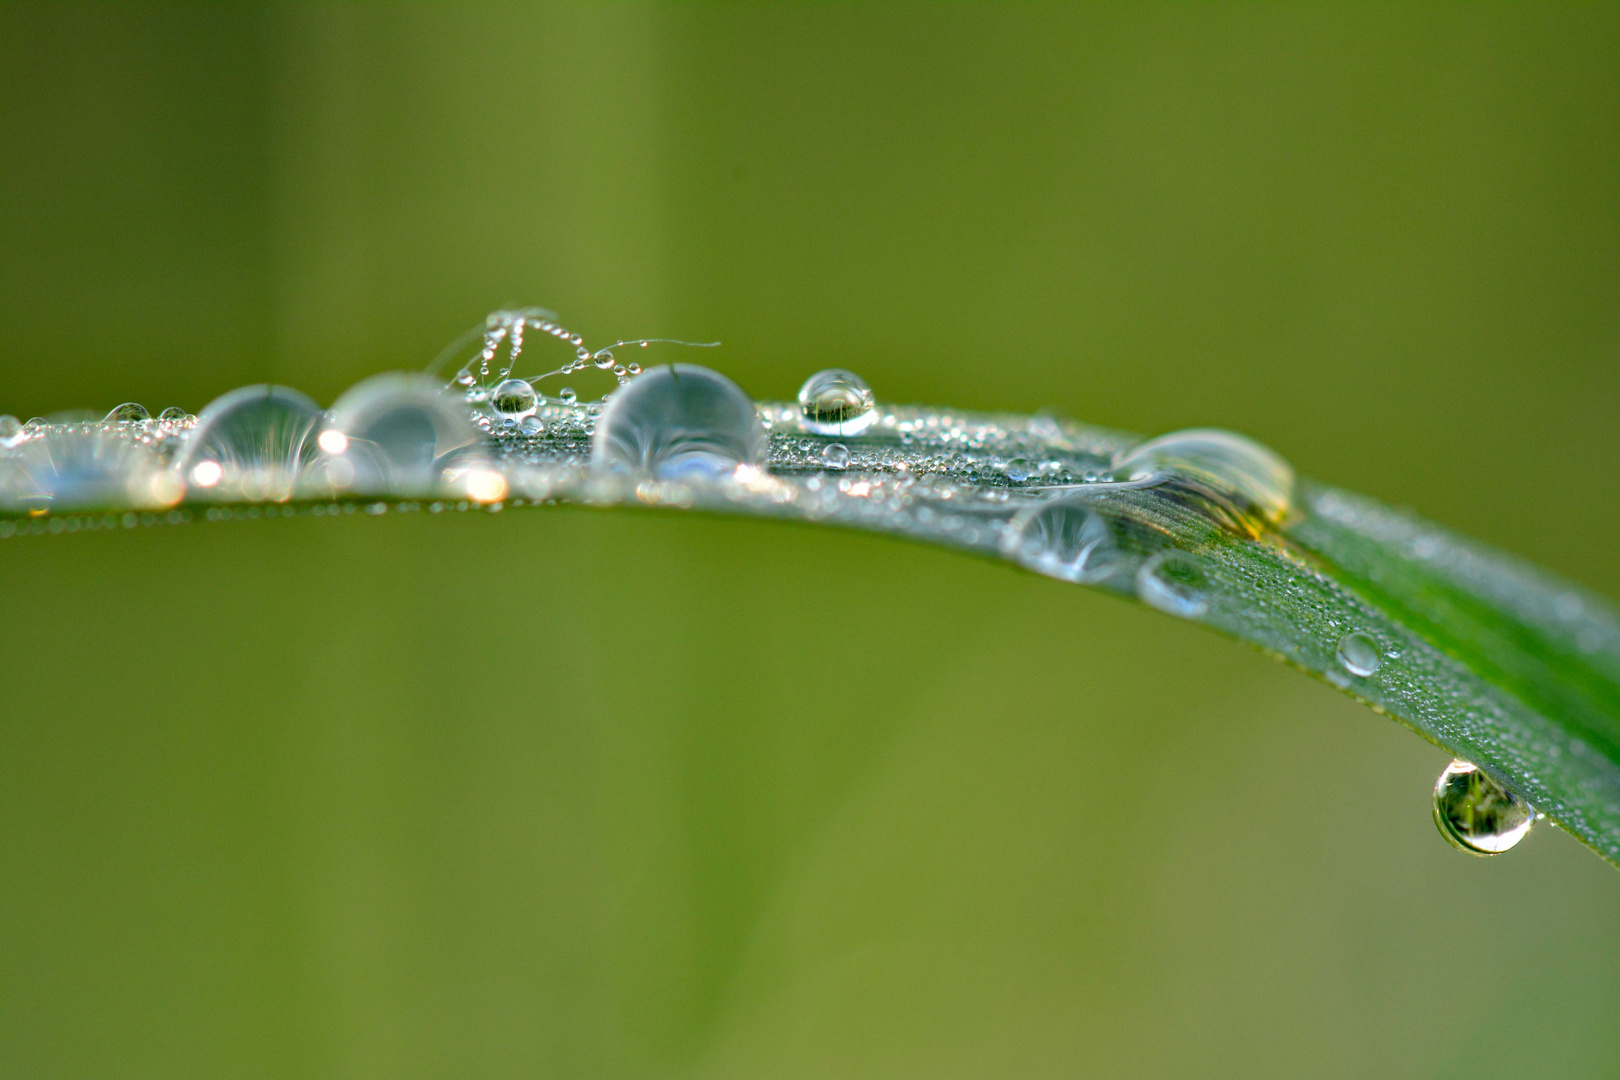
(567, 395)
(1236, 480)
(836, 402)
(679, 421)
(633, 368)
(260, 436)
(465, 377)
(128, 412)
(172, 413)
(835, 456)
(1174, 582)
(1476, 814)
(403, 436)
(1359, 654)
(514, 399)
(1064, 539)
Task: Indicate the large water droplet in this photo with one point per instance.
(1064, 539)
(514, 399)
(1476, 814)
(679, 421)
(836, 402)
(1234, 474)
(403, 435)
(1359, 654)
(259, 438)
(128, 412)
(1174, 582)
(86, 466)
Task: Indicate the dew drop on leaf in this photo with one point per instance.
(1359, 654)
(1476, 814)
(679, 420)
(836, 402)
(514, 399)
(1174, 582)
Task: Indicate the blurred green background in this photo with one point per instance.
(585, 794)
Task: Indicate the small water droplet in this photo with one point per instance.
(172, 413)
(1065, 539)
(835, 456)
(836, 402)
(633, 368)
(1018, 470)
(261, 436)
(678, 421)
(533, 425)
(1476, 814)
(1241, 483)
(465, 377)
(567, 395)
(1359, 654)
(1174, 582)
(128, 412)
(514, 399)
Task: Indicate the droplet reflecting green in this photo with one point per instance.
(1476, 814)
(836, 402)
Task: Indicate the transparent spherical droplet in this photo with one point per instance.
(1064, 539)
(679, 421)
(464, 377)
(533, 425)
(81, 467)
(1250, 481)
(1359, 654)
(633, 368)
(835, 456)
(514, 399)
(1476, 814)
(1018, 470)
(836, 402)
(404, 436)
(262, 437)
(128, 412)
(172, 413)
(1174, 582)
(567, 395)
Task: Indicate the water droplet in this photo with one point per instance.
(514, 399)
(1018, 470)
(567, 395)
(1174, 582)
(85, 466)
(128, 412)
(172, 413)
(465, 377)
(261, 436)
(836, 402)
(11, 430)
(1359, 654)
(1476, 814)
(835, 456)
(533, 425)
(1239, 482)
(405, 436)
(1064, 539)
(677, 421)
(633, 368)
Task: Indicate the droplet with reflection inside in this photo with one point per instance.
(835, 456)
(1175, 582)
(1476, 814)
(402, 434)
(1251, 480)
(1359, 653)
(1064, 539)
(261, 437)
(679, 421)
(127, 413)
(837, 402)
(514, 399)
